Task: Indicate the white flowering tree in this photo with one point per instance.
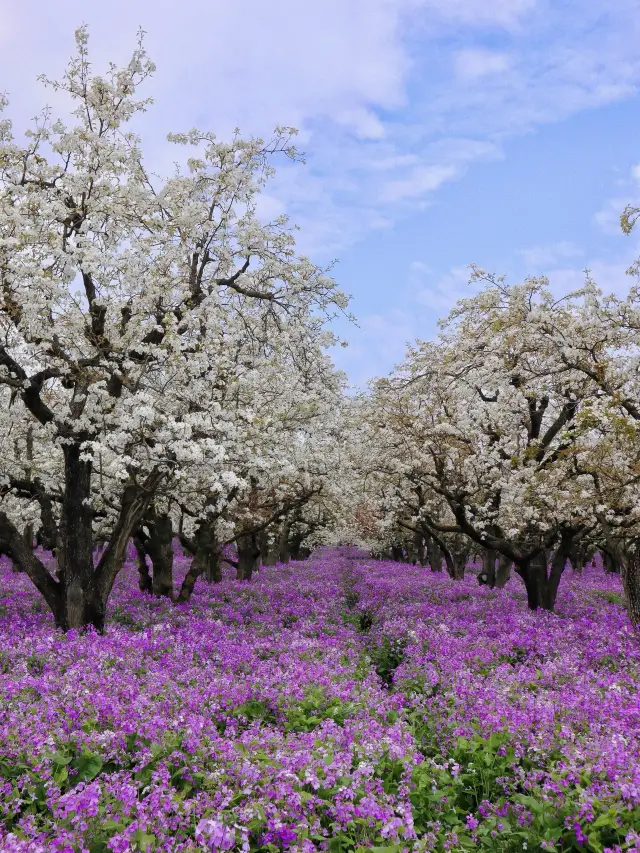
(601, 346)
(478, 436)
(112, 288)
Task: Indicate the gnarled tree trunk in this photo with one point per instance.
(206, 560)
(503, 572)
(77, 595)
(157, 544)
(434, 554)
(488, 574)
(397, 553)
(631, 583)
(80, 603)
(160, 549)
(419, 548)
(145, 583)
(542, 580)
(268, 548)
(283, 541)
(248, 557)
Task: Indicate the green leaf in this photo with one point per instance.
(60, 758)
(88, 766)
(143, 840)
(594, 842)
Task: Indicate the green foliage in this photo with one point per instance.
(611, 597)
(255, 709)
(126, 619)
(351, 597)
(316, 707)
(386, 656)
(361, 620)
(35, 665)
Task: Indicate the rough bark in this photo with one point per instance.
(135, 504)
(160, 549)
(503, 572)
(144, 575)
(611, 564)
(297, 549)
(206, 560)
(283, 541)
(577, 562)
(488, 574)
(397, 553)
(459, 564)
(213, 564)
(541, 580)
(157, 544)
(47, 533)
(631, 584)
(434, 554)
(268, 549)
(248, 557)
(82, 605)
(419, 548)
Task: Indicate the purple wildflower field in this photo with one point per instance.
(338, 704)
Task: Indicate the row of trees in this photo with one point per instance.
(163, 366)
(515, 435)
(163, 374)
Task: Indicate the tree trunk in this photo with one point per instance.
(144, 576)
(81, 603)
(459, 565)
(47, 534)
(397, 554)
(283, 541)
(611, 565)
(213, 567)
(268, 549)
(159, 547)
(542, 582)
(297, 549)
(534, 574)
(577, 561)
(248, 557)
(77, 596)
(434, 554)
(503, 572)
(488, 574)
(630, 573)
(270, 556)
(206, 560)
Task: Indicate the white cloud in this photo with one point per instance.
(550, 255)
(389, 111)
(441, 295)
(421, 180)
(242, 62)
(472, 64)
(497, 13)
(448, 160)
(377, 345)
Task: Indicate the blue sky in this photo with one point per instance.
(438, 133)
